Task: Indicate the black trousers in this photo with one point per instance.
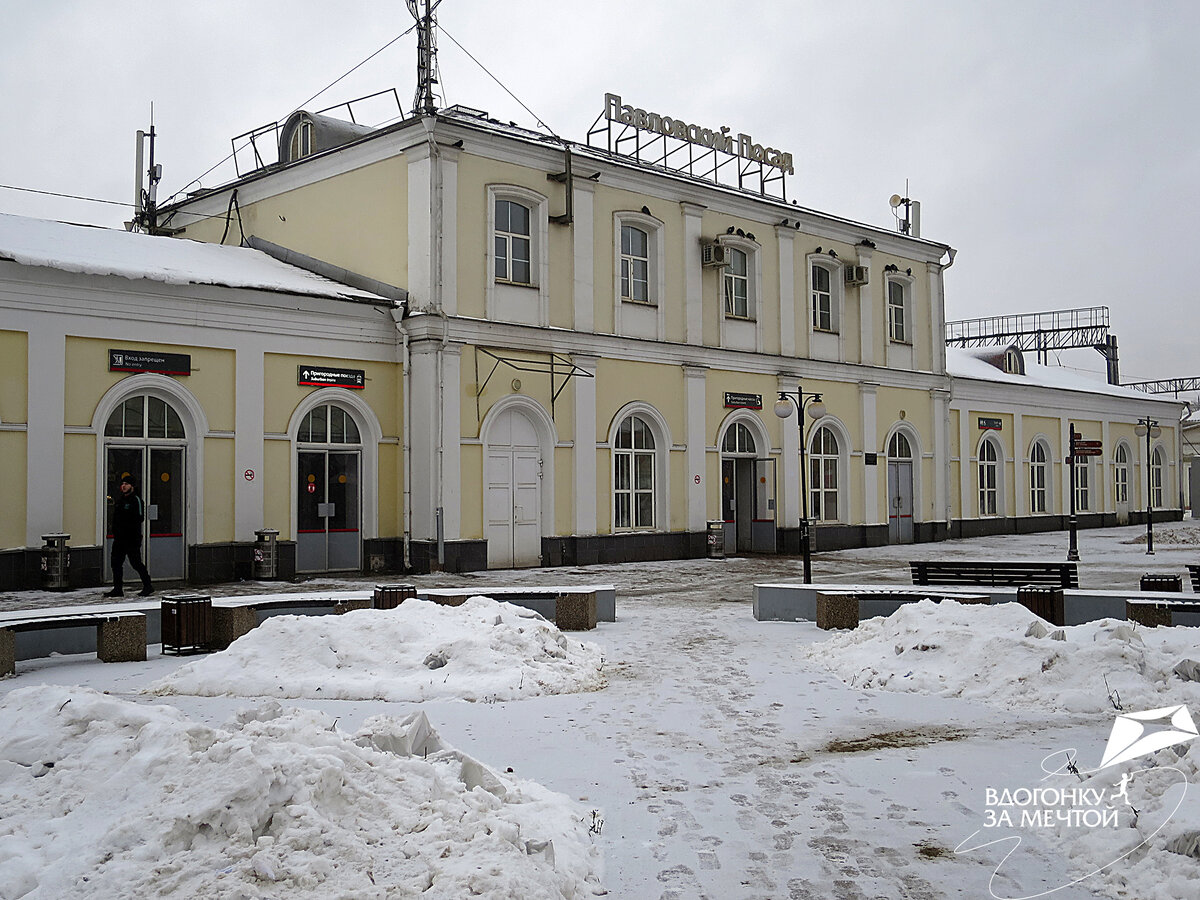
(131, 550)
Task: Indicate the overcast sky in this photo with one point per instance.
(1054, 144)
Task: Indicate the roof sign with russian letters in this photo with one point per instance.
(734, 400)
(648, 137)
(323, 376)
(149, 361)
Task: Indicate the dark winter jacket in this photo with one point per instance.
(128, 513)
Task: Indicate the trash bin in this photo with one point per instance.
(389, 596)
(266, 555)
(716, 540)
(56, 560)
(1167, 583)
(186, 624)
(1046, 602)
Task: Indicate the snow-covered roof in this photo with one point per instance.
(106, 251)
(969, 363)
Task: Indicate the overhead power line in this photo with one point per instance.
(13, 187)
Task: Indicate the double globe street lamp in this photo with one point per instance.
(816, 409)
(1150, 430)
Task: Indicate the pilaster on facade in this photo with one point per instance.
(585, 446)
(693, 272)
(583, 248)
(867, 310)
(435, 438)
(247, 440)
(421, 235)
(1021, 496)
(937, 318)
(44, 472)
(787, 290)
(789, 460)
(867, 394)
(694, 379)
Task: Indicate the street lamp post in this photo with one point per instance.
(816, 408)
(1149, 429)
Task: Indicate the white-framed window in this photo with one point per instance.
(1083, 493)
(1156, 477)
(1121, 474)
(738, 440)
(898, 318)
(634, 462)
(513, 241)
(328, 424)
(635, 264)
(823, 283)
(144, 416)
(823, 466)
(989, 479)
(736, 284)
(1038, 478)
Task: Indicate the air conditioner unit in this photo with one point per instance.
(714, 255)
(857, 275)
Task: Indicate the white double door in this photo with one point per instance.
(513, 485)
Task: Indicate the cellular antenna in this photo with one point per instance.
(427, 68)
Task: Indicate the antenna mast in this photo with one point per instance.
(427, 68)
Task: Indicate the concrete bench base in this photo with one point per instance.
(844, 609)
(575, 611)
(230, 622)
(120, 637)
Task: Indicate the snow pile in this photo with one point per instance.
(102, 797)
(482, 650)
(1180, 537)
(982, 653)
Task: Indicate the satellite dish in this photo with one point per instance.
(896, 200)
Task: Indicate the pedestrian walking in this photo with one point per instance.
(127, 516)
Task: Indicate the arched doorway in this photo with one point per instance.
(900, 489)
(144, 437)
(747, 493)
(329, 491)
(513, 490)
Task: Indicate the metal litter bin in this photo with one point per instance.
(389, 596)
(56, 561)
(1043, 601)
(1167, 583)
(266, 555)
(186, 624)
(716, 540)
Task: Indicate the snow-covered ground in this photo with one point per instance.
(718, 756)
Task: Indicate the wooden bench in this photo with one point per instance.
(120, 636)
(996, 573)
(1155, 612)
(1194, 572)
(843, 609)
(231, 618)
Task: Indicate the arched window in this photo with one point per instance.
(1037, 478)
(1083, 475)
(1156, 477)
(633, 475)
(988, 479)
(738, 439)
(513, 242)
(737, 285)
(1121, 474)
(144, 416)
(823, 471)
(328, 424)
(898, 447)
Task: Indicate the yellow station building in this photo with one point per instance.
(454, 343)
